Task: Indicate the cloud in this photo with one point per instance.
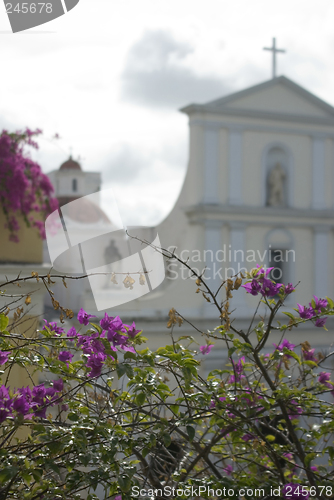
(156, 74)
(126, 164)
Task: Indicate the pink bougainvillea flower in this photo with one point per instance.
(205, 349)
(309, 355)
(4, 356)
(320, 322)
(319, 304)
(65, 357)
(228, 469)
(83, 317)
(24, 190)
(324, 378)
(305, 312)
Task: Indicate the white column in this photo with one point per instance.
(235, 167)
(211, 145)
(321, 242)
(318, 173)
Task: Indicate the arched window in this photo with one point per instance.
(277, 176)
(281, 255)
(74, 185)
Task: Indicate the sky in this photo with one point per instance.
(111, 75)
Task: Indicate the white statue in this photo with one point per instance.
(276, 186)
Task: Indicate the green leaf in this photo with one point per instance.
(129, 370)
(290, 315)
(121, 370)
(3, 322)
(167, 439)
(124, 482)
(191, 432)
(7, 474)
(330, 302)
(310, 363)
(140, 398)
(292, 354)
(309, 458)
(130, 355)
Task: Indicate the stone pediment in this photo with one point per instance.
(279, 96)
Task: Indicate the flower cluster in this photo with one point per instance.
(316, 307)
(265, 286)
(29, 403)
(114, 331)
(24, 189)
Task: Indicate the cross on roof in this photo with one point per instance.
(274, 51)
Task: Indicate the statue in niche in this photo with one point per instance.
(276, 180)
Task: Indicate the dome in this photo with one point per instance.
(70, 164)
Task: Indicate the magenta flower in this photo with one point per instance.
(289, 288)
(286, 344)
(213, 402)
(309, 355)
(105, 321)
(95, 362)
(24, 189)
(57, 330)
(228, 469)
(305, 312)
(320, 322)
(324, 378)
(65, 357)
(253, 287)
(58, 385)
(5, 404)
(261, 284)
(4, 356)
(205, 349)
(319, 304)
(270, 289)
(72, 333)
(247, 437)
(83, 317)
(132, 332)
(21, 405)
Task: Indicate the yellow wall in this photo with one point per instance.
(30, 246)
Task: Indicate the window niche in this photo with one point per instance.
(277, 177)
(74, 185)
(281, 255)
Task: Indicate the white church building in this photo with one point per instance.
(259, 190)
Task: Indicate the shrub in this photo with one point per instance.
(111, 412)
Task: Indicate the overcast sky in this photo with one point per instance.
(110, 76)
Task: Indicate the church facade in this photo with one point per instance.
(259, 189)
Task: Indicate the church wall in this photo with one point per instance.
(330, 271)
(329, 173)
(223, 179)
